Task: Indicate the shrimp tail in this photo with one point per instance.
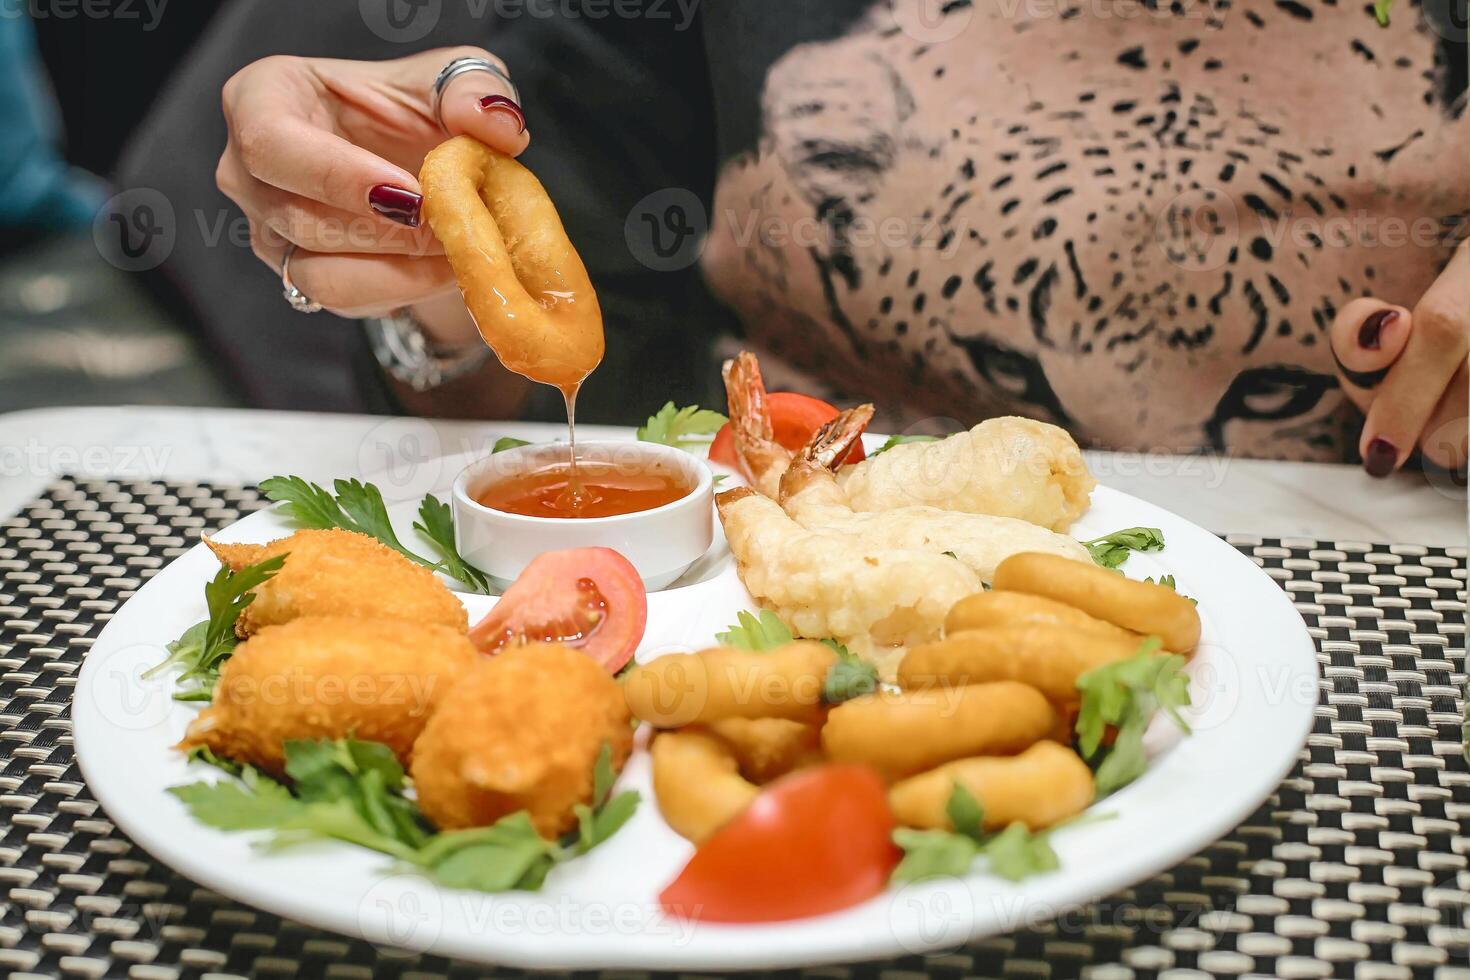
(824, 452)
(763, 458)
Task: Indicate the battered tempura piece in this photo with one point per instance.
(810, 494)
(1006, 467)
(340, 573)
(872, 599)
(520, 731)
(327, 677)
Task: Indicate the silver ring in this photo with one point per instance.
(300, 302)
(460, 66)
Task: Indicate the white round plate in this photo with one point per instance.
(1253, 679)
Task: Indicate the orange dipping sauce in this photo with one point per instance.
(606, 491)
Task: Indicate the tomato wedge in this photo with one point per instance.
(591, 599)
(794, 418)
(813, 842)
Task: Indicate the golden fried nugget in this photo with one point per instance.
(1048, 658)
(1143, 607)
(520, 731)
(901, 734)
(686, 688)
(696, 781)
(340, 573)
(766, 748)
(327, 677)
(1040, 787)
(987, 609)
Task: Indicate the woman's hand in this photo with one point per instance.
(1406, 370)
(323, 153)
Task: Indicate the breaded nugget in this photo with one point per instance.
(330, 677)
(1042, 786)
(1049, 658)
(520, 731)
(696, 783)
(766, 748)
(680, 689)
(340, 573)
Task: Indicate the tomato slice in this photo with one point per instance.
(794, 418)
(587, 598)
(813, 842)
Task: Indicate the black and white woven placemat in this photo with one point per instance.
(1359, 865)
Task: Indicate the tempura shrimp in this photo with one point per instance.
(809, 493)
(763, 457)
(875, 600)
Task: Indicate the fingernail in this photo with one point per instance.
(396, 204)
(500, 103)
(1369, 333)
(1380, 458)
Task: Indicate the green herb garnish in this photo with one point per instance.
(202, 648)
(681, 428)
(848, 678)
(507, 442)
(1167, 581)
(1125, 695)
(902, 441)
(1112, 550)
(755, 631)
(1014, 853)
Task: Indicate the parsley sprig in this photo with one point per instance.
(203, 648)
(354, 791)
(850, 677)
(902, 440)
(1167, 581)
(1125, 695)
(358, 506)
(1112, 550)
(682, 428)
(1013, 853)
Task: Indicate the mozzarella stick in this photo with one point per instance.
(1040, 787)
(1142, 607)
(1048, 658)
(696, 783)
(687, 688)
(766, 748)
(901, 734)
(987, 609)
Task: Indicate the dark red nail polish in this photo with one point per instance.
(1372, 328)
(396, 204)
(500, 103)
(1380, 458)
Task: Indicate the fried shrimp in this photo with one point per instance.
(764, 458)
(872, 599)
(1041, 787)
(697, 784)
(687, 688)
(340, 573)
(520, 731)
(900, 734)
(1143, 607)
(1049, 658)
(1005, 467)
(327, 677)
(809, 493)
(521, 278)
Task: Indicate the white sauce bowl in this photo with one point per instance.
(661, 543)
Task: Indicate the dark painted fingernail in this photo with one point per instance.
(500, 103)
(1380, 458)
(396, 204)
(1369, 333)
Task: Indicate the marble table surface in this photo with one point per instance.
(1254, 497)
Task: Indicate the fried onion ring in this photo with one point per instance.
(521, 279)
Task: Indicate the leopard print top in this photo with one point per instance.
(1134, 221)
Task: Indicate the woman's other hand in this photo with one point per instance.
(323, 154)
(1406, 370)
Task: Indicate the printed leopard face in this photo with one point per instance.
(1139, 228)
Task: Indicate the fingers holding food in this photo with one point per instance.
(985, 610)
(519, 274)
(688, 688)
(340, 573)
(520, 731)
(1041, 787)
(1048, 658)
(1142, 607)
(330, 677)
(697, 782)
(1007, 467)
(903, 733)
(766, 748)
